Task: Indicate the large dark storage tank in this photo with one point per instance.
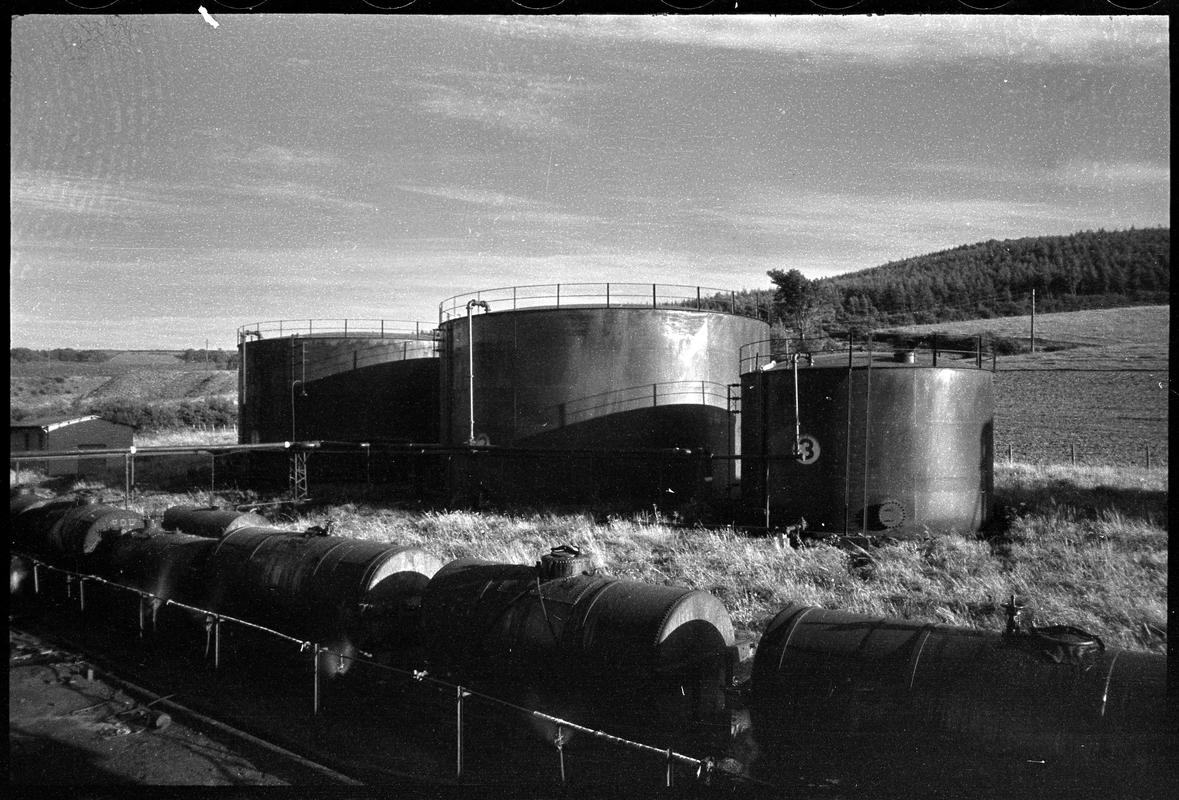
(888, 445)
(343, 380)
(593, 366)
(312, 587)
(831, 688)
(641, 659)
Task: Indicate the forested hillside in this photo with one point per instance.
(1092, 269)
(1085, 270)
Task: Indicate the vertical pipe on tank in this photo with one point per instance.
(847, 444)
(765, 453)
(867, 426)
(797, 423)
(471, 358)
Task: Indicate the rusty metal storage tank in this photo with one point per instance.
(642, 659)
(337, 380)
(1027, 710)
(312, 587)
(209, 521)
(607, 367)
(886, 445)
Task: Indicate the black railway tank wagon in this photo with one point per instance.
(209, 521)
(645, 661)
(868, 442)
(337, 380)
(69, 531)
(323, 589)
(1046, 711)
(612, 368)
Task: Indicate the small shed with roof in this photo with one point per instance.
(55, 434)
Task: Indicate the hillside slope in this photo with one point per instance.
(1084, 270)
(151, 384)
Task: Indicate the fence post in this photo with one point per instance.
(82, 594)
(1148, 456)
(212, 475)
(1072, 451)
(561, 751)
(1010, 455)
(458, 744)
(126, 480)
(669, 767)
(315, 666)
(36, 579)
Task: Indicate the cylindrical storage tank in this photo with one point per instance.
(889, 695)
(597, 367)
(311, 587)
(169, 566)
(337, 380)
(642, 659)
(885, 446)
(209, 521)
(81, 530)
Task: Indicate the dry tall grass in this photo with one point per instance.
(1086, 546)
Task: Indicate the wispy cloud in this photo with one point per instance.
(892, 39)
(478, 197)
(50, 192)
(272, 155)
(1076, 173)
(303, 195)
(521, 103)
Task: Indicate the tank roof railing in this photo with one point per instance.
(767, 353)
(367, 328)
(603, 295)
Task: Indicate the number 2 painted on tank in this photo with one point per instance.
(808, 449)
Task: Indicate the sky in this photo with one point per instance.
(172, 180)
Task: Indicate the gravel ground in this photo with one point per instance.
(68, 725)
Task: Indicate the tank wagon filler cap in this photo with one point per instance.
(564, 561)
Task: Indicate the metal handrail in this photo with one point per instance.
(757, 355)
(599, 295)
(381, 328)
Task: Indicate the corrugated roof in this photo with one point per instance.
(53, 423)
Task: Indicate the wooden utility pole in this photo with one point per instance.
(1032, 337)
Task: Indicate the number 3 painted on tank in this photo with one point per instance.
(808, 449)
